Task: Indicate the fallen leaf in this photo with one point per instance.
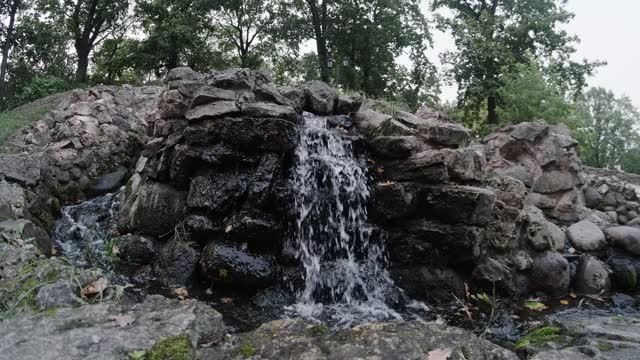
(96, 287)
(564, 302)
(439, 354)
(535, 306)
(387, 183)
(228, 229)
(380, 170)
(115, 250)
(226, 300)
(182, 293)
(123, 320)
(573, 295)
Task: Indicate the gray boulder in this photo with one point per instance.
(209, 94)
(552, 182)
(60, 294)
(550, 273)
(542, 234)
(395, 147)
(445, 134)
(12, 201)
(268, 110)
(109, 182)
(586, 236)
(108, 331)
(298, 339)
(592, 276)
(213, 110)
(21, 168)
(321, 98)
(592, 197)
(625, 237)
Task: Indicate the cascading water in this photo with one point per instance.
(83, 232)
(345, 277)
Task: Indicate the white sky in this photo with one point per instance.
(608, 30)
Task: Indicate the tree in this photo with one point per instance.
(494, 36)
(606, 128)
(531, 92)
(10, 9)
(91, 22)
(245, 24)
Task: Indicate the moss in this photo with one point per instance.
(173, 348)
(50, 312)
(604, 346)
(246, 350)
(539, 336)
(319, 330)
(466, 352)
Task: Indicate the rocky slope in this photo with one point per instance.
(207, 163)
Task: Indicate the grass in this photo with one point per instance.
(246, 350)
(12, 121)
(539, 336)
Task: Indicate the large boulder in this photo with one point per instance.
(550, 273)
(541, 233)
(592, 276)
(625, 237)
(234, 267)
(157, 209)
(586, 236)
(107, 331)
(175, 264)
(321, 98)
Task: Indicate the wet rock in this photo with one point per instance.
(504, 273)
(256, 228)
(625, 270)
(297, 339)
(550, 273)
(458, 204)
(625, 237)
(623, 300)
(157, 209)
(592, 276)
(109, 182)
(60, 294)
(132, 250)
(586, 236)
(393, 201)
(93, 331)
(321, 97)
(230, 266)
(342, 121)
(395, 147)
(216, 193)
(214, 110)
(175, 264)
(424, 283)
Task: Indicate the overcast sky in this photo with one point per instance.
(609, 30)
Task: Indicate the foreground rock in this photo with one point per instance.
(107, 331)
(297, 339)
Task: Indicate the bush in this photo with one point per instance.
(43, 86)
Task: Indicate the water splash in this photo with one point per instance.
(345, 277)
(84, 231)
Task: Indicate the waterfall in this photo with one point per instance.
(343, 259)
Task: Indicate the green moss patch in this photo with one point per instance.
(539, 336)
(246, 350)
(173, 348)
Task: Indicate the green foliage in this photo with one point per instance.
(12, 121)
(606, 128)
(319, 329)
(246, 350)
(631, 161)
(539, 336)
(173, 348)
(40, 87)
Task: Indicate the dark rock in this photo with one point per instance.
(550, 273)
(530, 130)
(57, 295)
(343, 121)
(12, 201)
(255, 228)
(209, 94)
(592, 197)
(625, 270)
(592, 277)
(269, 93)
(347, 104)
(182, 73)
(553, 181)
(427, 166)
(393, 127)
(321, 97)
(236, 79)
(109, 182)
(518, 172)
(175, 264)
(586, 236)
(623, 300)
(368, 121)
(213, 110)
(268, 110)
(465, 165)
(157, 209)
(22, 229)
(216, 193)
(199, 226)
(504, 273)
(230, 266)
(395, 147)
(542, 201)
(447, 134)
(132, 251)
(625, 237)
(424, 283)
(295, 95)
(457, 204)
(393, 200)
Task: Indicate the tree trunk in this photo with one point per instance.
(7, 46)
(83, 64)
(319, 20)
(492, 115)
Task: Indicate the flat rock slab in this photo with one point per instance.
(297, 339)
(214, 110)
(107, 330)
